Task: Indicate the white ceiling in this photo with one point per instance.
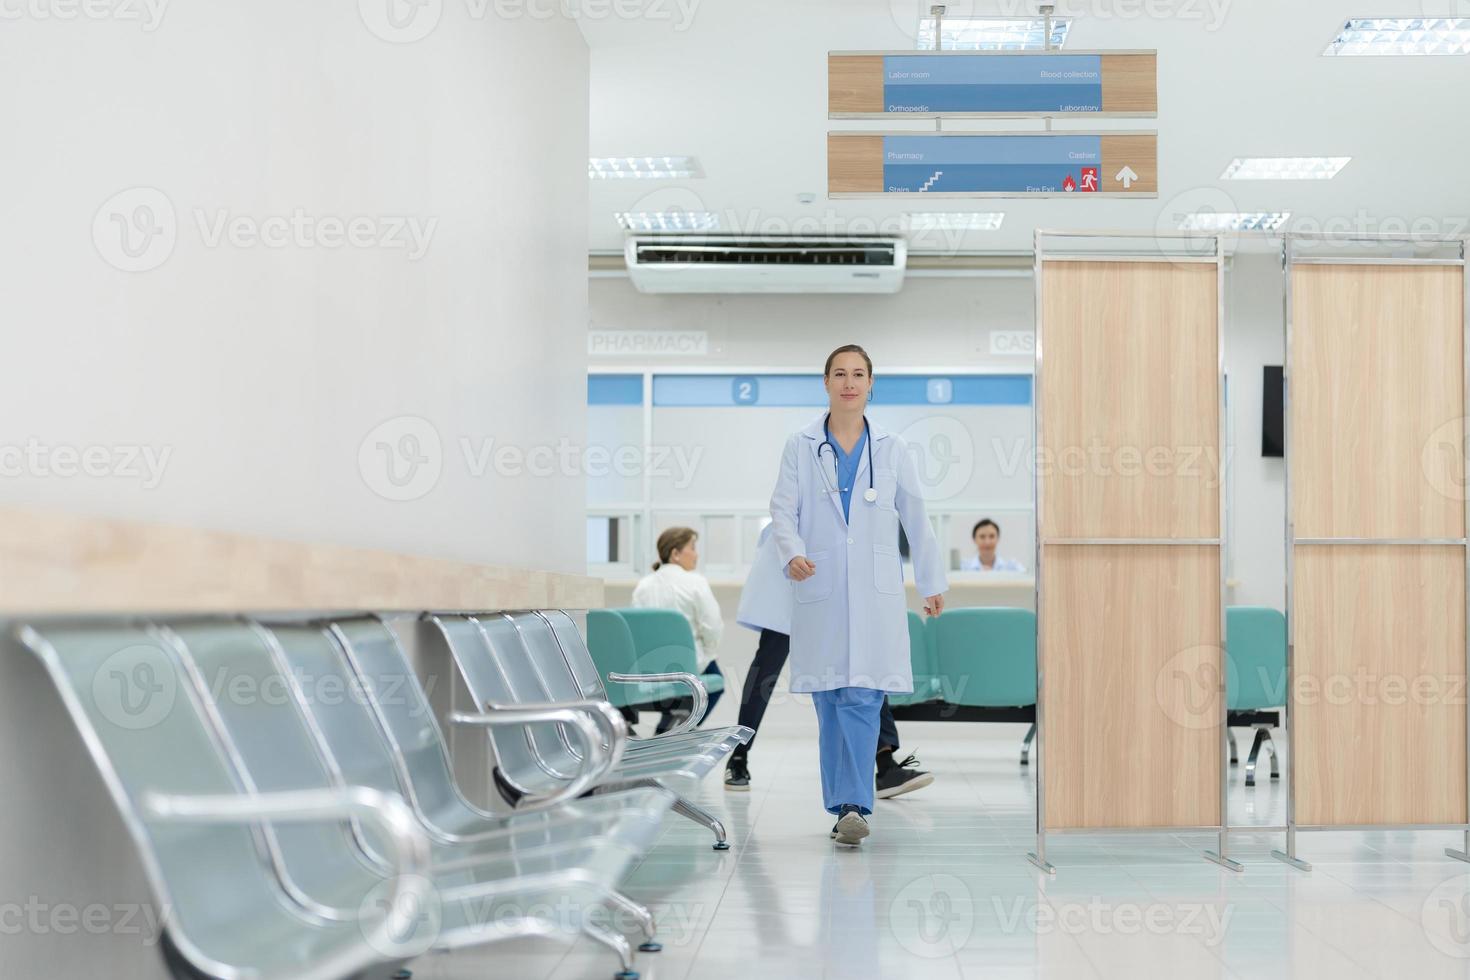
(741, 84)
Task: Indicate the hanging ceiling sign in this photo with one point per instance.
(992, 83)
(993, 164)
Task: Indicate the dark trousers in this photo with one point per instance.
(667, 719)
(760, 683)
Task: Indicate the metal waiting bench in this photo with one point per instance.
(530, 658)
(270, 863)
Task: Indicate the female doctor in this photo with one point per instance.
(844, 488)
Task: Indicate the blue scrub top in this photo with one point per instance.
(847, 465)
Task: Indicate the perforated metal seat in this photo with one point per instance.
(196, 832)
(233, 740)
(500, 670)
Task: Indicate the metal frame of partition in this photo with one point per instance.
(1289, 259)
(1216, 255)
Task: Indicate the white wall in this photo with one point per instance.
(946, 324)
(261, 371)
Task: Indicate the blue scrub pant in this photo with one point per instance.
(847, 726)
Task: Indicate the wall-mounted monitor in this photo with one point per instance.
(1272, 417)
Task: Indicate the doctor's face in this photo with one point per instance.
(849, 382)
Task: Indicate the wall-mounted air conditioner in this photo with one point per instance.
(737, 264)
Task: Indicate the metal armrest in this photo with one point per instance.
(597, 761)
(409, 887)
(701, 694)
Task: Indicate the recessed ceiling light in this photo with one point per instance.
(1284, 168)
(993, 33)
(668, 220)
(1234, 220)
(1402, 36)
(644, 168)
(955, 220)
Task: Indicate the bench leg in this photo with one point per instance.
(704, 818)
(1234, 752)
(618, 945)
(642, 915)
(1262, 740)
(1026, 745)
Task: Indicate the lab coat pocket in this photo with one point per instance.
(819, 585)
(887, 570)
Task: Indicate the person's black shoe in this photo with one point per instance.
(898, 778)
(850, 828)
(670, 720)
(737, 775)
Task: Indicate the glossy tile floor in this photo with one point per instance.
(943, 889)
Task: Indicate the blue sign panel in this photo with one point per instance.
(991, 164)
(806, 390)
(614, 389)
(993, 83)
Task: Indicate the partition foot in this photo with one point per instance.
(1292, 860)
(1457, 854)
(1041, 862)
(1223, 861)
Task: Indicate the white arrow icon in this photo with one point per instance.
(1126, 175)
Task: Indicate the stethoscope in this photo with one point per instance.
(870, 494)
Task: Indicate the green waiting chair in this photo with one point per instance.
(1255, 643)
(663, 642)
(611, 643)
(921, 659)
(986, 658)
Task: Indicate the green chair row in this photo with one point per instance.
(972, 664)
(644, 641)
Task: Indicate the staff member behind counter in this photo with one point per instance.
(986, 535)
(844, 488)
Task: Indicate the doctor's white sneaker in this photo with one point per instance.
(850, 828)
(898, 778)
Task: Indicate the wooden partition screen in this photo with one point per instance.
(1130, 599)
(1376, 606)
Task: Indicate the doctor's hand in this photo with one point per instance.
(934, 605)
(799, 569)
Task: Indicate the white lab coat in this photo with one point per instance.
(849, 626)
(766, 600)
(671, 587)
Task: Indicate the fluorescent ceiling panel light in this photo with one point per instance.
(1367, 36)
(1284, 168)
(643, 168)
(1234, 220)
(993, 33)
(955, 220)
(668, 220)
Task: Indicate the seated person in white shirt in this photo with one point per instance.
(986, 535)
(675, 585)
